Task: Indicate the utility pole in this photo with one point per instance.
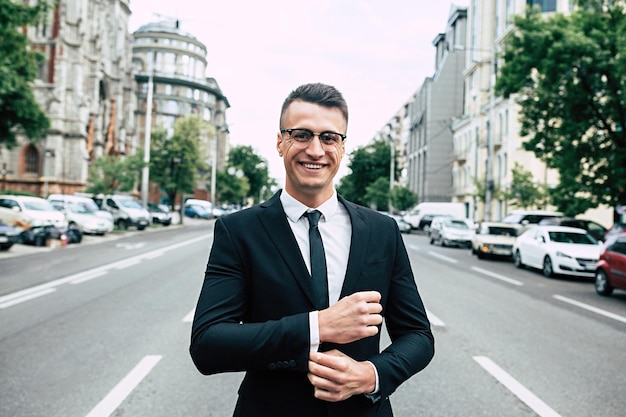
(489, 186)
(145, 171)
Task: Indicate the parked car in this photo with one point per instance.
(9, 235)
(27, 211)
(617, 228)
(557, 250)
(402, 225)
(86, 202)
(126, 211)
(529, 217)
(611, 268)
(160, 214)
(448, 231)
(595, 229)
(207, 205)
(81, 217)
(494, 239)
(197, 211)
(415, 216)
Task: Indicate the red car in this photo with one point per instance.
(611, 268)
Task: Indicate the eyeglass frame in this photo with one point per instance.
(313, 134)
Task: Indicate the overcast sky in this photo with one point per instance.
(376, 52)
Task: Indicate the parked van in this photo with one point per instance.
(418, 215)
(126, 211)
(83, 212)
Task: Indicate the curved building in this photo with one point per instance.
(176, 62)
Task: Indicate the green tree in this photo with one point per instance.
(377, 194)
(21, 114)
(175, 161)
(569, 74)
(402, 198)
(524, 192)
(232, 188)
(367, 164)
(253, 166)
(111, 174)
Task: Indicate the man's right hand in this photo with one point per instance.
(352, 318)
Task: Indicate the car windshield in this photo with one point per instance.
(572, 237)
(38, 205)
(130, 203)
(79, 208)
(456, 224)
(502, 231)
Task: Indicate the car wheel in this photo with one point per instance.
(480, 254)
(517, 260)
(122, 224)
(432, 241)
(6, 246)
(602, 283)
(426, 228)
(548, 271)
(40, 240)
(141, 227)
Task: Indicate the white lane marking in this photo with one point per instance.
(129, 246)
(414, 247)
(189, 317)
(434, 320)
(25, 295)
(497, 276)
(443, 257)
(520, 391)
(591, 308)
(113, 399)
(29, 296)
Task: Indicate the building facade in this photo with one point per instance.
(175, 63)
(436, 103)
(85, 87)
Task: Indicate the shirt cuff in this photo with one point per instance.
(314, 333)
(374, 396)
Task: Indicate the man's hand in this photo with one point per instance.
(336, 376)
(352, 318)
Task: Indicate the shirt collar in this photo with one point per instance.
(295, 209)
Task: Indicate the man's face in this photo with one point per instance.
(310, 170)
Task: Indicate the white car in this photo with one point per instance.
(448, 231)
(87, 221)
(557, 250)
(494, 239)
(26, 212)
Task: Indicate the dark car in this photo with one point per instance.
(196, 211)
(594, 229)
(9, 235)
(611, 268)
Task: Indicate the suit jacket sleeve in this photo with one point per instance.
(238, 325)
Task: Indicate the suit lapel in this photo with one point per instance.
(275, 223)
(358, 247)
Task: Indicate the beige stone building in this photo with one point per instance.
(85, 86)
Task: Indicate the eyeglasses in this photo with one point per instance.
(302, 138)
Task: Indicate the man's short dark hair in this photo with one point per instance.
(317, 93)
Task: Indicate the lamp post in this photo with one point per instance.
(392, 167)
(145, 171)
(47, 154)
(489, 186)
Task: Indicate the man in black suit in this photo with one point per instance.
(310, 347)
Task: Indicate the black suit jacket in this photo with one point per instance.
(253, 312)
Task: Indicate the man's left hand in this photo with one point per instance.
(336, 376)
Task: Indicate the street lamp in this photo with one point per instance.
(145, 171)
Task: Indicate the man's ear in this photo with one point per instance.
(279, 144)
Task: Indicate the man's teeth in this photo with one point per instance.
(312, 166)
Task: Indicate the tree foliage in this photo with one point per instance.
(254, 168)
(377, 194)
(569, 74)
(524, 192)
(367, 164)
(175, 161)
(231, 187)
(21, 114)
(402, 198)
(111, 174)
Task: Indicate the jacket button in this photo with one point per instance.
(292, 363)
(272, 366)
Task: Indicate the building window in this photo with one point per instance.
(546, 5)
(31, 160)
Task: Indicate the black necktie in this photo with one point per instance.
(318, 259)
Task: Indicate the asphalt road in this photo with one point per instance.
(102, 329)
